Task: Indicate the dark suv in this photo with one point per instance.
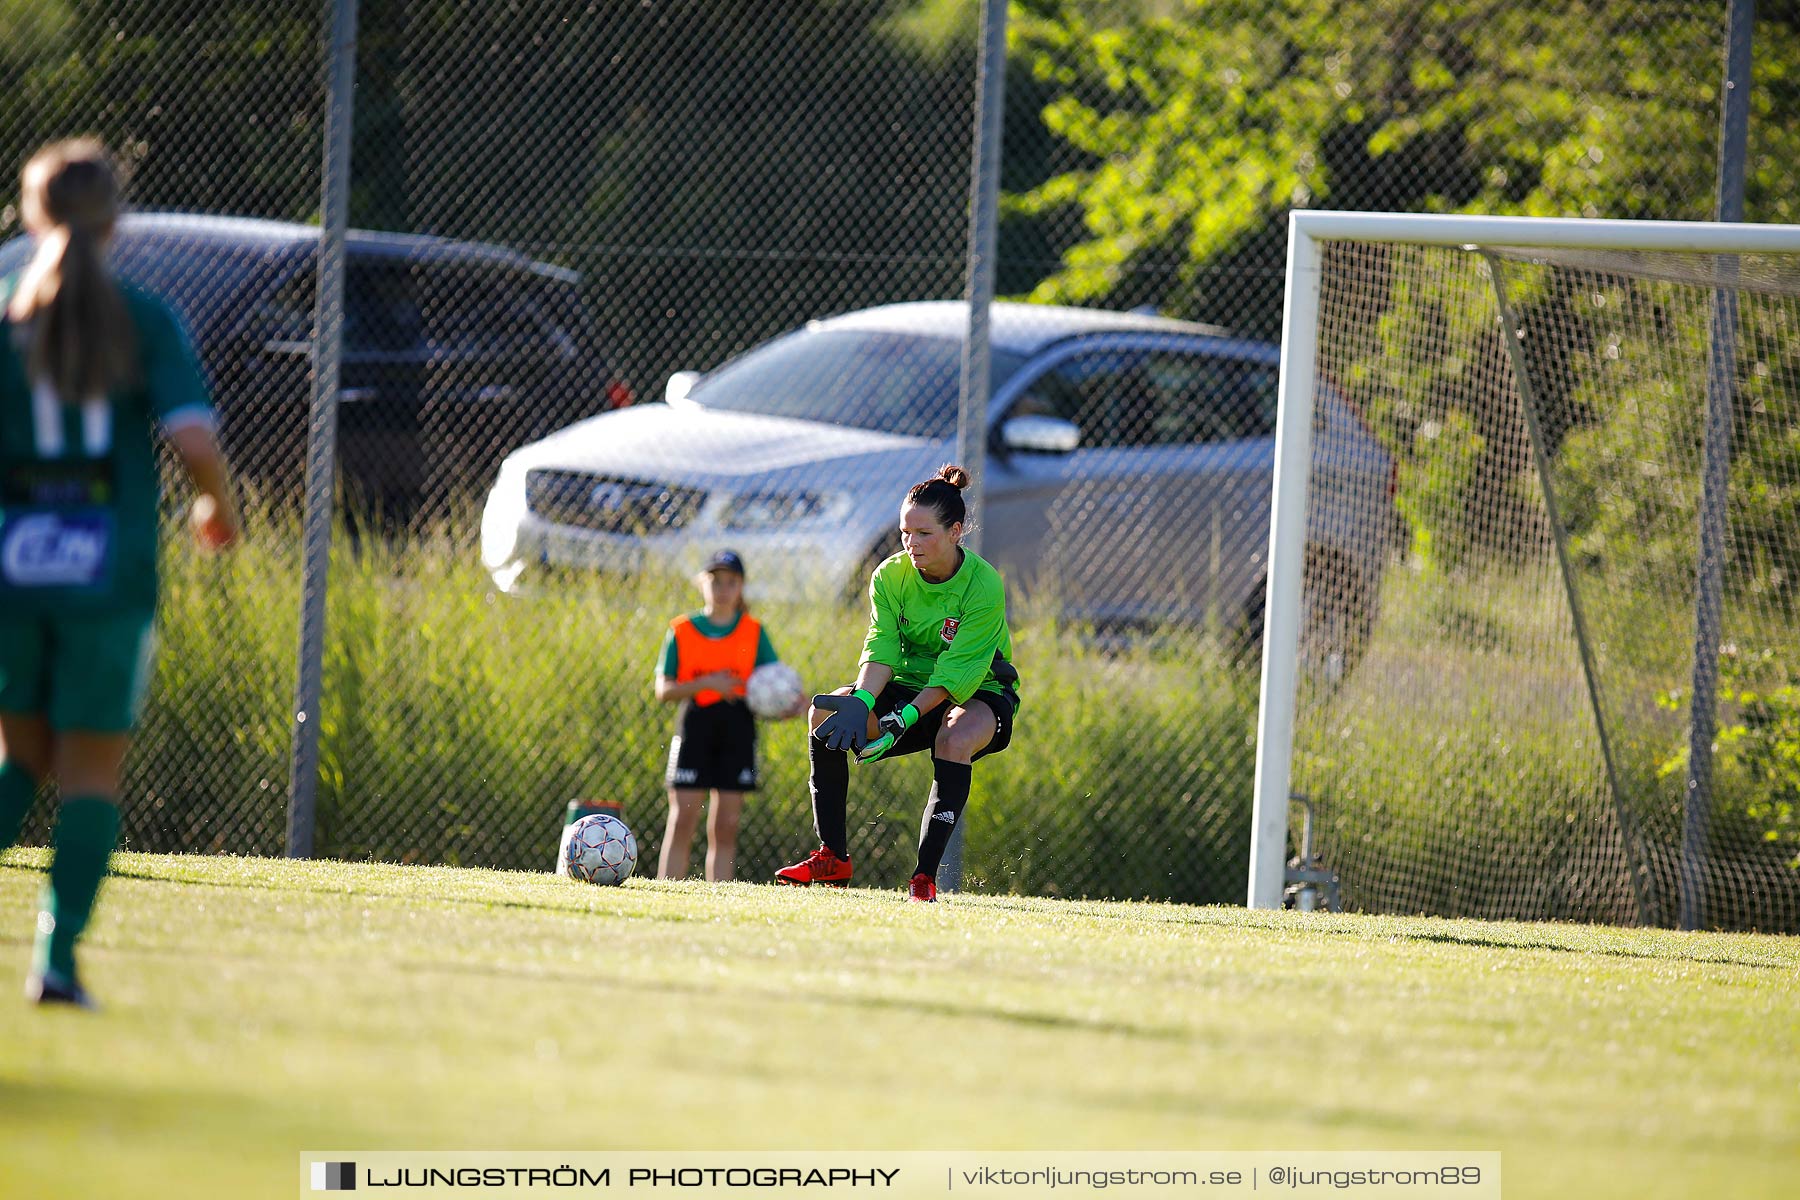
(454, 352)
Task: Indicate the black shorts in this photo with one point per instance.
(922, 735)
(714, 747)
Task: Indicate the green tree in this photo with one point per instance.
(209, 106)
(1195, 126)
(1203, 121)
(719, 170)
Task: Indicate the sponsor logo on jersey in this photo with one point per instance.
(947, 817)
(48, 549)
(949, 630)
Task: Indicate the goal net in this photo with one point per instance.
(1576, 694)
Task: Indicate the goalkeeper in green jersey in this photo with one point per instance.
(936, 675)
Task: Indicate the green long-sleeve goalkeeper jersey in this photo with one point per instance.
(951, 635)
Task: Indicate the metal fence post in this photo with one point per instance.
(1715, 477)
(321, 438)
(984, 221)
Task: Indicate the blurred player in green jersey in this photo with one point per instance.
(91, 371)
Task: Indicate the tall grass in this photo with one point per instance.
(1456, 772)
(457, 723)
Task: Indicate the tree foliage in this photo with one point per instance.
(719, 170)
(1204, 121)
(209, 106)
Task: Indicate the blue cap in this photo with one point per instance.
(724, 560)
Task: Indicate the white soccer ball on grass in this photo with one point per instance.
(599, 849)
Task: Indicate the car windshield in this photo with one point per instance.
(889, 382)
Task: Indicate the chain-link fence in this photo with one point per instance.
(208, 109)
(565, 206)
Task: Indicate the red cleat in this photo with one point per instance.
(821, 866)
(923, 889)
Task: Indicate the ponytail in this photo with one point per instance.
(79, 334)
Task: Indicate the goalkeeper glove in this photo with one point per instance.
(847, 728)
(892, 726)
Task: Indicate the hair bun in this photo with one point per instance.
(954, 475)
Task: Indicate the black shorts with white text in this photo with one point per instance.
(714, 748)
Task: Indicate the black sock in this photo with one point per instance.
(949, 796)
(829, 784)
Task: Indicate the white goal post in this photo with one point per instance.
(1307, 231)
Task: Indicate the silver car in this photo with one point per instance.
(1128, 479)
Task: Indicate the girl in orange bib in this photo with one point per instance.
(707, 657)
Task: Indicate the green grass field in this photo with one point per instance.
(257, 1008)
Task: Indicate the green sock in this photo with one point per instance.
(17, 790)
(87, 829)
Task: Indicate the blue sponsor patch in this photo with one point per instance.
(56, 548)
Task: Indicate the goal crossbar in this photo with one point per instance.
(1307, 229)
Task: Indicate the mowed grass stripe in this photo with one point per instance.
(258, 1007)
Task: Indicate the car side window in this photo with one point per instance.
(381, 309)
(1051, 394)
(381, 314)
(547, 315)
(284, 316)
(1215, 399)
(1156, 398)
(1112, 396)
(476, 313)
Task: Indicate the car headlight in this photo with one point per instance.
(500, 520)
(764, 510)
